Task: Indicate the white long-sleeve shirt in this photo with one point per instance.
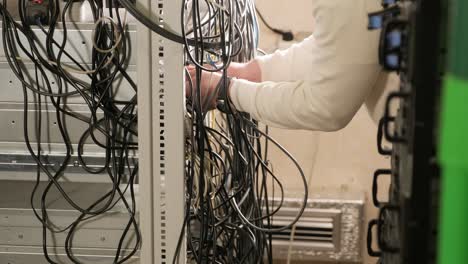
(320, 83)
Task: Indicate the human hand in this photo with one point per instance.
(208, 83)
(249, 71)
(209, 80)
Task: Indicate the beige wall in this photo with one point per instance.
(338, 163)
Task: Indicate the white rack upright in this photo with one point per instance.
(161, 104)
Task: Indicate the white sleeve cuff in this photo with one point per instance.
(242, 94)
(272, 66)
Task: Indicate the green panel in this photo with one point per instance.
(454, 233)
(454, 122)
(453, 155)
(453, 244)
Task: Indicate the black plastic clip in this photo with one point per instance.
(375, 186)
(392, 137)
(391, 42)
(380, 148)
(378, 19)
(370, 250)
(382, 244)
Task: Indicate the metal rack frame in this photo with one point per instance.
(161, 105)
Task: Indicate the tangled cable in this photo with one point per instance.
(230, 207)
(231, 186)
(111, 123)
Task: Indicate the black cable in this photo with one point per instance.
(228, 214)
(287, 35)
(119, 117)
(227, 173)
(162, 31)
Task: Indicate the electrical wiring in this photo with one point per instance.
(230, 182)
(111, 123)
(229, 207)
(164, 30)
(309, 181)
(286, 35)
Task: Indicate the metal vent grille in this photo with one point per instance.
(315, 231)
(318, 229)
(329, 230)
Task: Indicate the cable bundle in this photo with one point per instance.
(111, 123)
(230, 183)
(230, 210)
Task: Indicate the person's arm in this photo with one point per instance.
(286, 65)
(325, 104)
(282, 65)
(342, 68)
(249, 71)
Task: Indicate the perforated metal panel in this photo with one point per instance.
(330, 230)
(20, 231)
(161, 128)
(157, 66)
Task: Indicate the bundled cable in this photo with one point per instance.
(111, 123)
(230, 205)
(231, 186)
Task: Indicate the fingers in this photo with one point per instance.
(190, 67)
(191, 78)
(208, 82)
(190, 84)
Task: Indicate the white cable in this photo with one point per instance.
(117, 33)
(213, 2)
(69, 68)
(309, 180)
(118, 36)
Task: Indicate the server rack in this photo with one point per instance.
(413, 44)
